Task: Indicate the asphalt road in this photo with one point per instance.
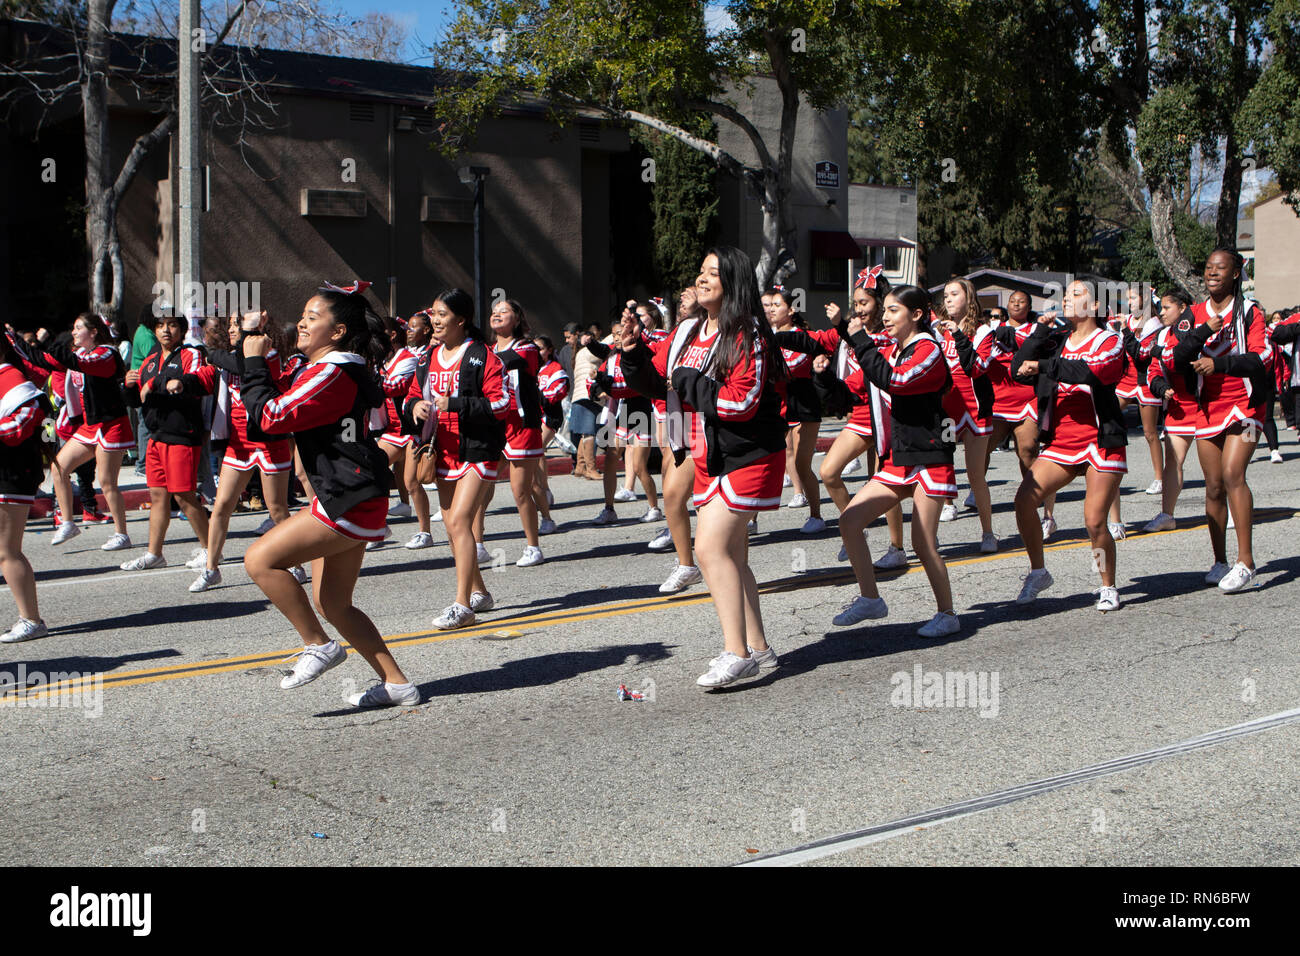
(521, 753)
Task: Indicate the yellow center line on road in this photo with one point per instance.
(551, 618)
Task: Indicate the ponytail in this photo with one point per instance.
(461, 303)
(365, 335)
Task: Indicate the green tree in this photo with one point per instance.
(685, 205)
(658, 66)
(1142, 262)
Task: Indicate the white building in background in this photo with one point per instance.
(1277, 255)
(882, 221)
(1246, 248)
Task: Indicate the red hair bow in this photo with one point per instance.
(356, 287)
(867, 277)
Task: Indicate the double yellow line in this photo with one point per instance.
(531, 621)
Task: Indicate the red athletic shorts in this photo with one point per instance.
(367, 521)
(755, 487)
(110, 436)
(522, 443)
(174, 467)
(937, 481)
(244, 454)
(448, 465)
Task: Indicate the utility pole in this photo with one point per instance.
(474, 175)
(191, 44)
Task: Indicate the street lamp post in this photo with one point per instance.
(476, 175)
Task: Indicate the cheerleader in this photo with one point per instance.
(803, 412)
(968, 348)
(23, 410)
(1082, 431)
(1175, 387)
(524, 448)
(723, 374)
(168, 388)
(1286, 332)
(634, 415)
(327, 409)
(908, 379)
(247, 446)
(458, 400)
(95, 369)
(1230, 352)
(1139, 330)
(553, 383)
(677, 477)
(1015, 407)
(398, 372)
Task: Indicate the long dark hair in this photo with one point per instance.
(796, 317)
(461, 304)
(366, 335)
(740, 316)
(521, 330)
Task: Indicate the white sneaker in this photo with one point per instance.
(421, 539)
(625, 494)
(1216, 573)
(1107, 599)
(1276, 456)
(861, 609)
(299, 573)
(458, 615)
(313, 660)
(727, 669)
(949, 512)
(941, 625)
(144, 562)
(1155, 488)
(662, 541)
(547, 526)
(968, 503)
(651, 514)
(400, 510)
(436, 516)
(989, 543)
(206, 579)
(387, 695)
(119, 542)
(606, 516)
(1036, 582)
(786, 482)
(891, 559)
(481, 553)
(69, 529)
(266, 526)
(24, 630)
(851, 467)
(198, 559)
(766, 659)
(813, 526)
(530, 557)
(682, 577)
(481, 601)
(1116, 529)
(1238, 579)
(1161, 522)
(1049, 527)
(798, 501)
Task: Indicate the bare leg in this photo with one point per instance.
(977, 453)
(521, 484)
(721, 550)
(1237, 451)
(230, 486)
(847, 446)
(419, 497)
(160, 517)
(1045, 479)
(872, 500)
(275, 492)
(1175, 455)
(1101, 488)
(679, 484)
(1210, 452)
(71, 457)
(925, 542)
(108, 464)
(14, 564)
(804, 478)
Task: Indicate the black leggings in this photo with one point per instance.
(1270, 426)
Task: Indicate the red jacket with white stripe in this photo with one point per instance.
(915, 378)
(23, 408)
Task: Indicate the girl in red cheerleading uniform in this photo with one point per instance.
(722, 375)
(803, 412)
(1139, 329)
(1175, 388)
(1229, 351)
(968, 348)
(553, 383)
(1083, 433)
(523, 453)
(168, 388)
(908, 378)
(327, 409)
(23, 410)
(398, 373)
(458, 401)
(247, 445)
(96, 367)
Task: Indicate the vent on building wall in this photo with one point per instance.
(588, 133)
(361, 112)
(438, 209)
(348, 203)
